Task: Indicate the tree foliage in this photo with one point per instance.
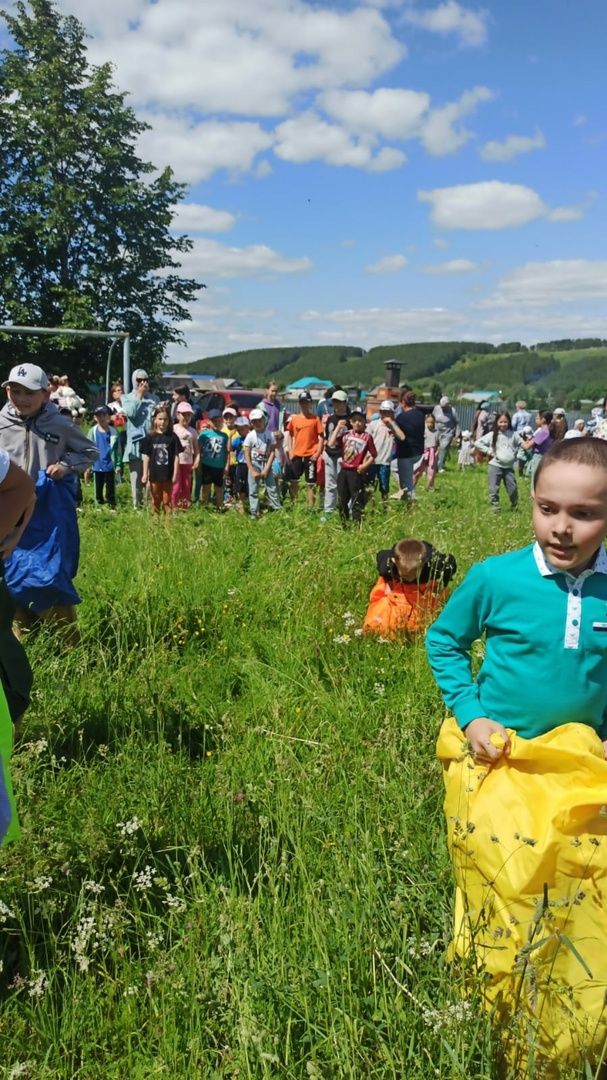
(84, 222)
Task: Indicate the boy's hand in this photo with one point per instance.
(56, 471)
(605, 747)
(479, 732)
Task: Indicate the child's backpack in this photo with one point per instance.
(407, 609)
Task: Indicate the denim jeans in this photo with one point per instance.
(271, 493)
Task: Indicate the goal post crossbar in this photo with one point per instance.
(67, 331)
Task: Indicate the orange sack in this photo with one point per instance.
(403, 608)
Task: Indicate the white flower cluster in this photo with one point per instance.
(419, 948)
(93, 887)
(40, 883)
(379, 689)
(143, 879)
(128, 828)
(95, 930)
(37, 984)
(342, 639)
(174, 903)
(348, 618)
(450, 1016)
(5, 913)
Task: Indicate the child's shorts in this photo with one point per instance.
(302, 466)
(211, 475)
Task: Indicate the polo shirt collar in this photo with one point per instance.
(547, 570)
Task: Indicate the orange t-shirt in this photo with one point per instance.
(304, 432)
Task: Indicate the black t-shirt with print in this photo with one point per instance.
(332, 422)
(161, 450)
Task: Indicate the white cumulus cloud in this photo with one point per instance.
(195, 217)
(512, 146)
(551, 283)
(233, 56)
(491, 204)
(452, 18)
(441, 133)
(209, 259)
(452, 266)
(390, 113)
(308, 137)
(196, 150)
(389, 264)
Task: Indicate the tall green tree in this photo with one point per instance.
(85, 235)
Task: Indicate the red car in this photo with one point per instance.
(241, 400)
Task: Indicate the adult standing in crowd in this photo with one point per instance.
(182, 395)
(138, 407)
(447, 428)
(521, 418)
(274, 409)
(409, 433)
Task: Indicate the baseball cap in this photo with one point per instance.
(241, 421)
(339, 395)
(229, 411)
(257, 414)
(185, 407)
(305, 395)
(386, 406)
(214, 414)
(444, 400)
(29, 375)
(357, 412)
(559, 412)
(102, 410)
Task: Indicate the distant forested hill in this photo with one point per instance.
(550, 372)
(347, 365)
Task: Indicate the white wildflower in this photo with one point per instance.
(129, 828)
(5, 912)
(154, 940)
(22, 1068)
(130, 991)
(93, 887)
(450, 1016)
(358, 632)
(40, 883)
(174, 903)
(379, 688)
(142, 880)
(342, 639)
(37, 984)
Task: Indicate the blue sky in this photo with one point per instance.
(375, 171)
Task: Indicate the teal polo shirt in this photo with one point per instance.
(545, 661)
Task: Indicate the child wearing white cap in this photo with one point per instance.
(49, 447)
(381, 431)
(259, 455)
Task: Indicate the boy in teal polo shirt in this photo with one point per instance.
(543, 610)
(525, 772)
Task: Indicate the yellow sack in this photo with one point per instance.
(528, 843)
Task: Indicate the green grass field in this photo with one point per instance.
(233, 860)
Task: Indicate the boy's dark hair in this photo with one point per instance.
(408, 398)
(582, 451)
(184, 391)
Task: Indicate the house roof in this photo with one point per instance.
(310, 380)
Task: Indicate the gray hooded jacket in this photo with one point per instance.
(45, 439)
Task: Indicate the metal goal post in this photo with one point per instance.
(114, 337)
